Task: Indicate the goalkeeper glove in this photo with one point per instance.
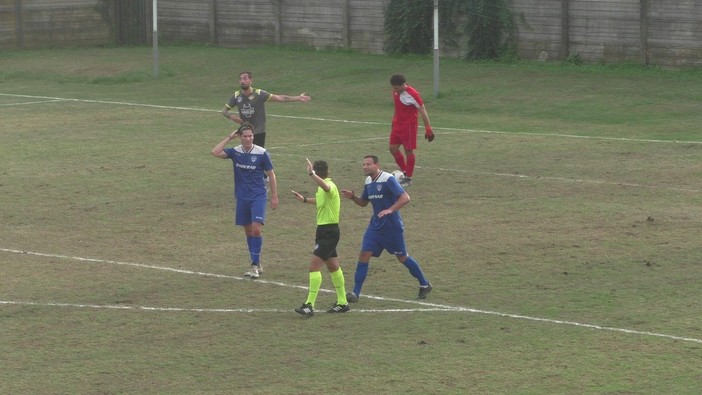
(429, 134)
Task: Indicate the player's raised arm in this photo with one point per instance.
(218, 149)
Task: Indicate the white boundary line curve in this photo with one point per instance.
(121, 103)
(429, 306)
(518, 176)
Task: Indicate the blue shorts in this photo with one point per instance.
(250, 211)
(376, 242)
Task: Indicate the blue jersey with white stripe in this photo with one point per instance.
(382, 193)
(249, 168)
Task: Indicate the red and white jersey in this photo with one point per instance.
(407, 104)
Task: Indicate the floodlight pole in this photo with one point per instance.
(436, 48)
(155, 38)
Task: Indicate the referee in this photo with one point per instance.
(328, 202)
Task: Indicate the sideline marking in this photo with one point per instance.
(29, 102)
(573, 180)
(353, 122)
(509, 175)
(430, 306)
(520, 176)
(198, 310)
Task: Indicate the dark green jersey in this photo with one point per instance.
(251, 108)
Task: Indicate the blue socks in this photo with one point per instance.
(359, 277)
(255, 245)
(362, 272)
(415, 271)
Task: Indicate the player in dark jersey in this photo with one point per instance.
(251, 106)
(385, 230)
(250, 163)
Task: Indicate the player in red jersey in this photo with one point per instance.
(408, 104)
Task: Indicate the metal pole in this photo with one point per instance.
(436, 48)
(155, 38)
(19, 25)
(644, 29)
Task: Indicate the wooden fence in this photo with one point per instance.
(28, 24)
(321, 24)
(666, 33)
(660, 32)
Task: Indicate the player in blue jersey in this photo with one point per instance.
(250, 163)
(385, 230)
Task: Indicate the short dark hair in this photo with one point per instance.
(321, 168)
(397, 79)
(375, 158)
(248, 73)
(245, 126)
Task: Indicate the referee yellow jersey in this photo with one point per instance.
(328, 204)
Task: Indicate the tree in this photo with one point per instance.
(486, 27)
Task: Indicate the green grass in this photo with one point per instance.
(558, 215)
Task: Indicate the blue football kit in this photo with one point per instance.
(386, 233)
(249, 183)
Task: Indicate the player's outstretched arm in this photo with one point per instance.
(349, 194)
(302, 97)
(302, 198)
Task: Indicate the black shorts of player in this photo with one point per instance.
(260, 139)
(326, 240)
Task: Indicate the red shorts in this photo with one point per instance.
(404, 134)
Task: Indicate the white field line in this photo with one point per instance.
(509, 175)
(427, 305)
(573, 136)
(120, 103)
(522, 176)
(197, 310)
(29, 102)
(449, 131)
(574, 180)
(117, 103)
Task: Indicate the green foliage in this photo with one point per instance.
(487, 26)
(574, 59)
(408, 26)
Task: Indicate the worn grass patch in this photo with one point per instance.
(557, 215)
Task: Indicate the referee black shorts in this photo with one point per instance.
(326, 240)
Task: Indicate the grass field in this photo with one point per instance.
(558, 215)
